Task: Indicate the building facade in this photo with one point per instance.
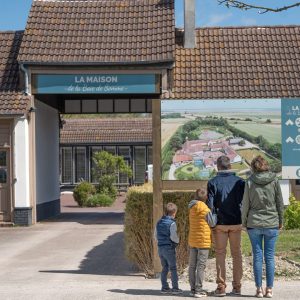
(130, 138)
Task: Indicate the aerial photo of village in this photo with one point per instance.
(195, 133)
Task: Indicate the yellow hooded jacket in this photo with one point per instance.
(200, 233)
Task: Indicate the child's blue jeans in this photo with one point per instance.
(268, 236)
(167, 256)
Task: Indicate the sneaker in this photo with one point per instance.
(200, 294)
(259, 293)
(220, 292)
(236, 291)
(192, 293)
(176, 291)
(165, 291)
(269, 293)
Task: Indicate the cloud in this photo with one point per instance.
(248, 21)
(217, 19)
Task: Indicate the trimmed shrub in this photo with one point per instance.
(82, 192)
(139, 226)
(99, 200)
(292, 214)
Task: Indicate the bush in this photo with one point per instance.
(82, 192)
(99, 200)
(139, 226)
(292, 214)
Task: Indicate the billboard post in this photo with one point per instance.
(157, 183)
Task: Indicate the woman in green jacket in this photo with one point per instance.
(262, 215)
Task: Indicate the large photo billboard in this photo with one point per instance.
(196, 132)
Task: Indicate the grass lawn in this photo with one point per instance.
(288, 244)
(239, 167)
(165, 175)
(271, 132)
(249, 154)
(190, 169)
(169, 127)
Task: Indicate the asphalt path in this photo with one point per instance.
(80, 255)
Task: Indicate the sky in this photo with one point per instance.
(270, 105)
(14, 13)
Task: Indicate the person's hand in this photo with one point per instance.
(280, 226)
(244, 229)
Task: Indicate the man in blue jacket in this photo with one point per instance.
(225, 194)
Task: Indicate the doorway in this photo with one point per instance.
(5, 172)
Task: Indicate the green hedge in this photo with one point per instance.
(82, 192)
(139, 227)
(292, 214)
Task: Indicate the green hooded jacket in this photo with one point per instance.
(262, 205)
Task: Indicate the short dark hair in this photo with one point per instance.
(170, 209)
(201, 194)
(223, 163)
(259, 164)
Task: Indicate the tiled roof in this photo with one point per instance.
(99, 31)
(244, 62)
(12, 99)
(119, 130)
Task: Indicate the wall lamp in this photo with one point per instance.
(32, 109)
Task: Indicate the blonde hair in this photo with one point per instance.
(170, 209)
(201, 194)
(259, 164)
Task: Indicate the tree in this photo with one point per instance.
(245, 5)
(242, 143)
(107, 167)
(268, 121)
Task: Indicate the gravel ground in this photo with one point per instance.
(285, 270)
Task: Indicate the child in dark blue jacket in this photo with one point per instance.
(167, 240)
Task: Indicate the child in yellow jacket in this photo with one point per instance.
(200, 220)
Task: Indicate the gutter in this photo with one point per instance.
(99, 64)
(25, 70)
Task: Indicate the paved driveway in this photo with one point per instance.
(80, 255)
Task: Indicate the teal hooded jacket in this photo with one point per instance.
(262, 205)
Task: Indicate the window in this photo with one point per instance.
(150, 161)
(89, 106)
(125, 152)
(93, 150)
(80, 164)
(123, 178)
(122, 105)
(139, 163)
(110, 149)
(3, 167)
(72, 106)
(66, 165)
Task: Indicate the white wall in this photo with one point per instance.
(285, 189)
(21, 162)
(47, 153)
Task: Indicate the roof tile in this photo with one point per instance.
(118, 130)
(127, 31)
(12, 99)
(243, 62)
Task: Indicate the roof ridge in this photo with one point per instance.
(12, 31)
(243, 27)
(249, 27)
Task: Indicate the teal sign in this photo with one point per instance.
(96, 84)
(290, 113)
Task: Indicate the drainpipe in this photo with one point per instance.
(189, 24)
(26, 78)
